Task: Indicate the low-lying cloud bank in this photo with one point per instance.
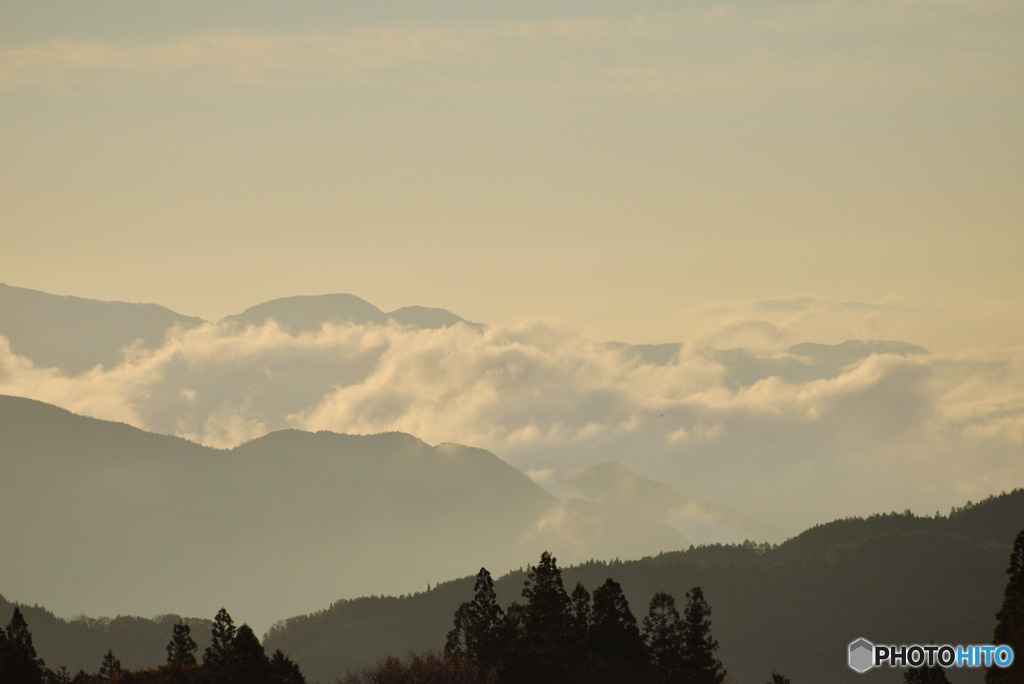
(790, 435)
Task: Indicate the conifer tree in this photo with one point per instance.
(544, 650)
(110, 668)
(614, 643)
(779, 679)
(18, 638)
(700, 666)
(217, 657)
(663, 634)
(19, 663)
(181, 650)
(247, 662)
(581, 613)
(514, 625)
(283, 669)
(547, 604)
(455, 644)
(613, 631)
(1010, 620)
(478, 631)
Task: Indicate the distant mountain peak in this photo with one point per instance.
(302, 313)
(426, 317)
(77, 334)
(854, 349)
(308, 313)
(294, 438)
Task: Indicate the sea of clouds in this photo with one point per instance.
(736, 422)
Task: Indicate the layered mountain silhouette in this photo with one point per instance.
(309, 313)
(627, 496)
(804, 362)
(76, 334)
(101, 517)
(894, 578)
(80, 643)
(798, 363)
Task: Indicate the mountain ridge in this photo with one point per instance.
(308, 313)
(892, 577)
(352, 507)
(77, 334)
(791, 608)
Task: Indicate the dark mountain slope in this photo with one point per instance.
(100, 517)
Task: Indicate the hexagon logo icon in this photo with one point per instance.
(862, 655)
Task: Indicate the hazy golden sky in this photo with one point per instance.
(613, 163)
(721, 174)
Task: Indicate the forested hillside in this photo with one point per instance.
(894, 578)
(79, 644)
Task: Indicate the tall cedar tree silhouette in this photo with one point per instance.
(479, 631)
(663, 634)
(19, 663)
(925, 675)
(283, 669)
(614, 640)
(581, 614)
(1010, 620)
(217, 656)
(543, 650)
(700, 666)
(182, 648)
(247, 662)
(110, 668)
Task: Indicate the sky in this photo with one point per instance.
(616, 165)
(728, 175)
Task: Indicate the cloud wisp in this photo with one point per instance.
(779, 48)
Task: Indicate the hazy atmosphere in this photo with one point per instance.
(745, 409)
(608, 163)
(702, 272)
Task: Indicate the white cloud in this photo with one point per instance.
(919, 430)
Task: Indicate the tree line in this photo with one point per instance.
(235, 656)
(552, 637)
(557, 637)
